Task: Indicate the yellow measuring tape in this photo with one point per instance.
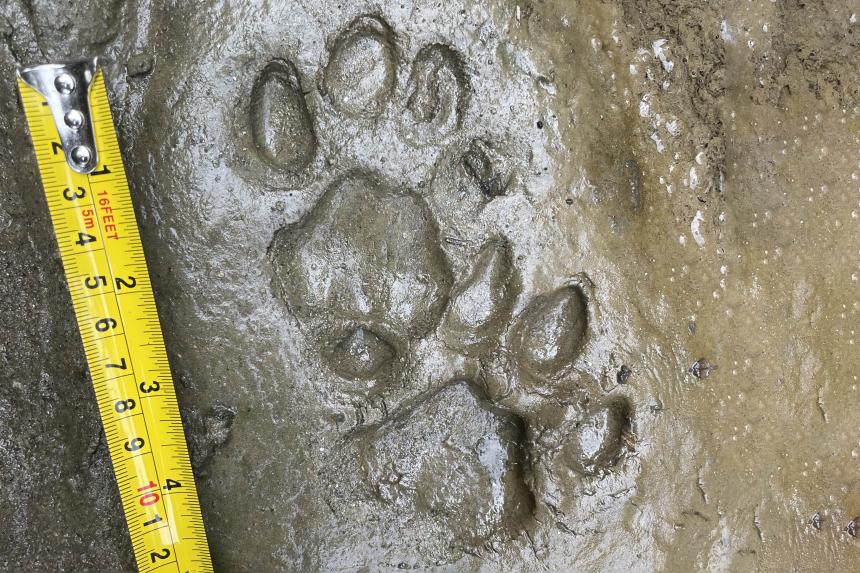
(88, 197)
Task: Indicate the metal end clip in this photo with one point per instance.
(66, 89)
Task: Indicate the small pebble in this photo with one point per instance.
(815, 521)
(701, 368)
(139, 65)
(853, 527)
(5, 220)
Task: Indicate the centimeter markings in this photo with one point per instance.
(99, 243)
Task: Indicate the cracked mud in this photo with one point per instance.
(432, 277)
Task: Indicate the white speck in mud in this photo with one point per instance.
(853, 19)
(644, 107)
(694, 178)
(5, 220)
(695, 229)
(656, 139)
(682, 239)
(726, 33)
(549, 88)
(672, 128)
(660, 53)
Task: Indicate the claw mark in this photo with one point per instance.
(93, 454)
(757, 524)
(456, 241)
(697, 513)
(532, 543)
(487, 167)
(820, 403)
(700, 483)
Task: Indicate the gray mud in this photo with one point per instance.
(461, 286)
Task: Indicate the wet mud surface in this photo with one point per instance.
(463, 286)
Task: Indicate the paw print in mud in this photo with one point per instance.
(463, 410)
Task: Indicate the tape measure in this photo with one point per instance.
(91, 209)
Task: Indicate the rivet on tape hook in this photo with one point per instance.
(66, 89)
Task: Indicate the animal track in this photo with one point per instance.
(550, 332)
(367, 253)
(281, 126)
(360, 74)
(365, 273)
(438, 88)
(487, 167)
(455, 462)
(481, 303)
(360, 355)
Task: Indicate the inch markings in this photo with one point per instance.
(99, 243)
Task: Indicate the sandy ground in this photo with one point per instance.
(461, 286)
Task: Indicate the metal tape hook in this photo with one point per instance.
(66, 89)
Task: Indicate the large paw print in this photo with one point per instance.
(378, 279)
